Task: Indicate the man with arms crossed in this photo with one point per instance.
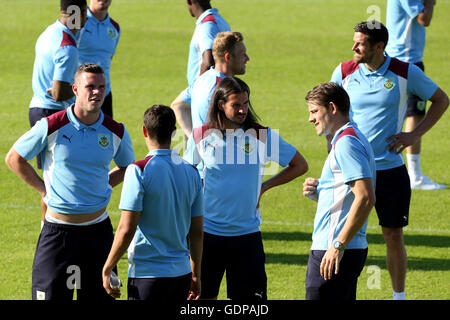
(379, 86)
(77, 146)
(56, 62)
(162, 204)
(345, 193)
(234, 149)
(209, 23)
(406, 21)
(98, 42)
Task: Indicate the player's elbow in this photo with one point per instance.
(12, 158)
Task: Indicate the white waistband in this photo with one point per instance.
(52, 219)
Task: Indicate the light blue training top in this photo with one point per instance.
(168, 192)
(97, 43)
(406, 35)
(379, 100)
(76, 159)
(350, 159)
(56, 58)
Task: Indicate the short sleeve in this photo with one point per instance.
(337, 75)
(125, 154)
(34, 141)
(352, 158)
(66, 63)
(412, 7)
(207, 33)
(419, 84)
(278, 150)
(132, 197)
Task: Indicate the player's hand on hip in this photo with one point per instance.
(399, 141)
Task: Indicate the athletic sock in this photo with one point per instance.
(413, 161)
(398, 295)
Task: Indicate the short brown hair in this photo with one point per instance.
(90, 68)
(224, 42)
(327, 92)
(159, 120)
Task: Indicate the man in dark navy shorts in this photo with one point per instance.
(379, 86)
(77, 146)
(345, 194)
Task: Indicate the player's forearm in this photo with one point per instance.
(24, 171)
(297, 167)
(424, 18)
(182, 112)
(122, 239)
(116, 176)
(61, 91)
(196, 245)
(359, 211)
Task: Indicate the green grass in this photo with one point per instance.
(293, 45)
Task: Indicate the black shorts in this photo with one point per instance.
(107, 105)
(393, 196)
(34, 115)
(341, 286)
(174, 289)
(69, 257)
(416, 106)
(243, 258)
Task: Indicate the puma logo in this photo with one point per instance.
(66, 137)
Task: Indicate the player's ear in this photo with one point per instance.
(333, 107)
(144, 131)
(226, 56)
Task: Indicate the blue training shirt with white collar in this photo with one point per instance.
(406, 34)
(379, 99)
(207, 26)
(351, 158)
(233, 166)
(76, 159)
(56, 59)
(168, 192)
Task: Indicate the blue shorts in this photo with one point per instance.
(243, 258)
(69, 257)
(174, 289)
(341, 286)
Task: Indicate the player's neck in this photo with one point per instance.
(376, 62)
(154, 145)
(100, 15)
(224, 69)
(198, 11)
(338, 123)
(64, 20)
(85, 117)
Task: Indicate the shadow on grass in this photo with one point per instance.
(414, 263)
(415, 240)
(436, 241)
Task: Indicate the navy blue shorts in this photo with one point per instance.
(341, 286)
(416, 106)
(34, 115)
(393, 196)
(69, 257)
(243, 259)
(174, 289)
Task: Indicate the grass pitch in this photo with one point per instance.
(293, 45)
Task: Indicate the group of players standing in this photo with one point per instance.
(186, 221)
